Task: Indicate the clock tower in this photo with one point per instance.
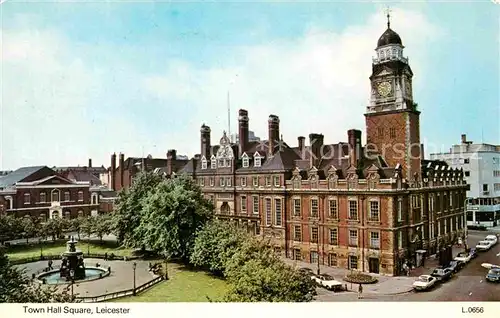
(392, 118)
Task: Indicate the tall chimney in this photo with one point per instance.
(171, 157)
(354, 141)
(205, 142)
(315, 144)
(113, 172)
(302, 142)
(243, 130)
(274, 133)
(90, 162)
(121, 169)
(464, 138)
(422, 151)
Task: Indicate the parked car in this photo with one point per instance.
(473, 253)
(424, 282)
(455, 266)
(463, 257)
(442, 274)
(491, 238)
(484, 245)
(493, 275)
(328, 282)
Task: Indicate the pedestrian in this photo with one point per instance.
(360, 291)
(106, 256)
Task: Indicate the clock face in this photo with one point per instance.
(384, 89)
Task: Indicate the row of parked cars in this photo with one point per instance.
(444, 273)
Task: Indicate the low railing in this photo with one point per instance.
(46, 257)
(120, 294)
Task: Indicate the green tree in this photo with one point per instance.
(87, 226)
(53, 228)
(101, 226)
(76, 225)
(126, 216)
(16, 287)
(29, 228)
(171, 215)
(9, 228)
(216, 244)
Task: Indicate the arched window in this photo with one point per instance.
(224, 209)
(94, 198)
(55, 195)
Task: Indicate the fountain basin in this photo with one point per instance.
(54, 277)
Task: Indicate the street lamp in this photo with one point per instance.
(465, 224)
(134, 266)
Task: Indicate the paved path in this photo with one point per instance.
(121, 277)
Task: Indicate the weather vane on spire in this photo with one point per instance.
(388, 12)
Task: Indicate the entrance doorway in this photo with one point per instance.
(224, 209)
(373, 265)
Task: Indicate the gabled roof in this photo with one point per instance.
(19, 175)
(50, 180)
(82, 175)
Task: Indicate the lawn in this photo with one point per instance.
(184, 285)
(55, 248)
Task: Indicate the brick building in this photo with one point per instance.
(40, 192)
(368, 208)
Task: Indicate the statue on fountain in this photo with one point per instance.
(72, 266)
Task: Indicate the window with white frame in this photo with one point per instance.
(55, 195)
(374, 240)
(228, 181)
(255, 181)
(80, 196)
(203, 163)
(212, 181)
(278, 212)
(353, 237)
(43, 197)
(334, 237)
(297, 254)
(213, 163)
(243, 181)
(353, 209)
(246, 162)
(67, 196)
(255, 205)
(297, 233)
(332, 260)
(257, 161)
(314, 235)
(27, 198)
(268, 181)
(314, 208)
(228, 162)
(221, 163)
(243, 204)
(333, 208)
(353, 262)
(374, 211)
(202, 182)
(268, 211)
(400, 209)
(296, 206)
(221, 181)
(276, 181)
(314, 257)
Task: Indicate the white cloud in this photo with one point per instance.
(55, 100)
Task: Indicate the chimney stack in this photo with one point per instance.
(90, 162)
(316, 145)
(121, 169)
(354, 141)
(274, 133)
(464, 139)
(112, 174)
(422, 151)
(302, 143)
(171, 157)
(205, 142)
(243, 130)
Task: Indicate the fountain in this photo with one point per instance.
(72, 268)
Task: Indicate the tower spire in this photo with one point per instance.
(388, 12)
(228, 114)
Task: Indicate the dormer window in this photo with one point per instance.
(245, 161)
(213, 162)
(257, 160)
(221, 163)
(228, 162)
(203, 163)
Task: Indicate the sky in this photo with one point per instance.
(83, 80)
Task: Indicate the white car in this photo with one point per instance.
(424, 282)
(463, 257)
(329, 284)
(491, 238)
(484, 245)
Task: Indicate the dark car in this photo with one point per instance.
(442, 274)
(473, 253)
(493, 275)
(306, 271)
(455, 266)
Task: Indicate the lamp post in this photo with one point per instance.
(72, 276)
(41, 248)
(465, 224)
(316, 223)
(134, 266)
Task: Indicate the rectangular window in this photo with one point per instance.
(255, 205)
(213, 164)
(353, 237)
(374, 211)
(466, 160)
(268, 212)
(80, 196)
(257, 162)
(67, 196)
(353, 209)
(297, 233)
(255, 181)
(277, 211)
(314, 208)
(296, 207)
(485, 187)
(334, 235)
(221, 181)
(297, 255)
(400, 209)
(314, 235)
(243, 181)
(332, 260)
(276, 181)
(353, 262)
(55, 196)
(221, 163)
(202, 182)
(245, 162)
(374, 239)
(314, 257)
(26, 198)
(212, 182)
(243, 204)
(467, 173)
(268, 181)
(43, 198)
(334, 213)
(203, 164)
